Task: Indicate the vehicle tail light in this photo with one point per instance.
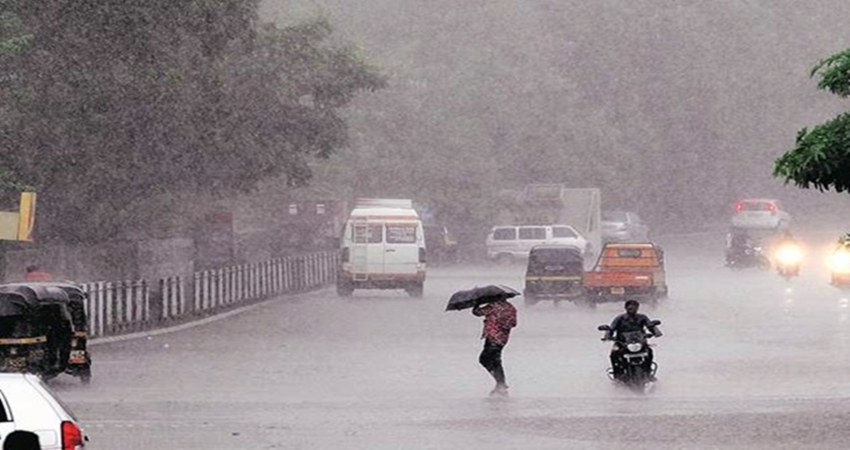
(72, 437)
(421, 255)
(739, 206)
(771, 207)
(345, 255)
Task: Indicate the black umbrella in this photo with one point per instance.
(479, 296)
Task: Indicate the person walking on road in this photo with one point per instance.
(499, 318)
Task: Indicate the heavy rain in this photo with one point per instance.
(238, 224)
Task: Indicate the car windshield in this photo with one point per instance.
(614, 216)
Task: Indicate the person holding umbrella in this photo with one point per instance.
(499, 318)
(490, 302)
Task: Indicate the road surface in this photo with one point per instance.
(747, 361)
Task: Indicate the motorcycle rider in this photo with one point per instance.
(738, 245)
(629, 321)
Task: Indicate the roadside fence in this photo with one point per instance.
(129, 306)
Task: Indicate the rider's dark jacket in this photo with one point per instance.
(626, 322)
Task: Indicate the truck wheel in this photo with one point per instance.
(415, 290)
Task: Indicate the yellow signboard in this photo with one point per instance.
(26, 220)
(19, 226)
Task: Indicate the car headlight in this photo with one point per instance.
(840, 261)
(789, 255)
(635, 347)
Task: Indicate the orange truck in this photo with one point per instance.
(625, 271)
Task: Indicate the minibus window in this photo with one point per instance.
(401, 233)
(367, 234)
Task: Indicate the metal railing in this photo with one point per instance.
(129, 306)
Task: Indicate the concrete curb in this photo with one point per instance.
(187, 325)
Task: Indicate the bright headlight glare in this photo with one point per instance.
(789, 255)
(634, 347)
(840, 261)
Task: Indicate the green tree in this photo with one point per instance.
(820, 158)
(113, 109)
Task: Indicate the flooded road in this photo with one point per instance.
(748, 360)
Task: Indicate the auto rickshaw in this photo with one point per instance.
(52, 316)
(22, 338)
(79, 359)
(554, 272)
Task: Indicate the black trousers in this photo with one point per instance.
(491, 359)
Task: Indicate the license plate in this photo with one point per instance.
(618, 290)
(77, 357)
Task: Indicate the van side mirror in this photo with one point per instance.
(603, 328)
(654, 323)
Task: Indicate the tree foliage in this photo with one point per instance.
(110, 107)
(820, 158)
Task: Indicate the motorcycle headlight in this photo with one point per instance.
(840, 261)
(634, 347)
(789, 255)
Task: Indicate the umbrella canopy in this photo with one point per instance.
(479, 296)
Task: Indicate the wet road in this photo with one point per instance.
(747, 361)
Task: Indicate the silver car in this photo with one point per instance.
(760, 213)
(513, 242)
(623, 226)
(27, 404)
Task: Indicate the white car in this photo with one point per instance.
(26, 403)
(760, 213)
(511, 242)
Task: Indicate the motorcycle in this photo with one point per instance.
(840, 267)
(748, 257)
(788, 258)
(633, 353)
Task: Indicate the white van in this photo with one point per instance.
(383, 247)
(510, 242)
